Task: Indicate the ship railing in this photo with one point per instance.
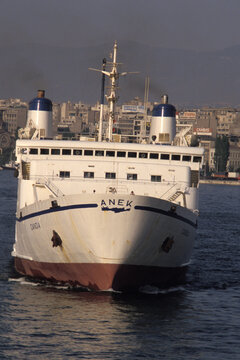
(114, 182)
(176, 195)
(164, 189)
(50, 186)
(170, 191)
(176, 191)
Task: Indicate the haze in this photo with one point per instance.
(31, 30)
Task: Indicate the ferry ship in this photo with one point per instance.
(103, 214)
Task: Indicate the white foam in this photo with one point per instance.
(154, 290)
(23, 281)
(112, 291)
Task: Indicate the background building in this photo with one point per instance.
(132, 123)
(13, 114)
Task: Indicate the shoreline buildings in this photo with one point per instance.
(132, 122)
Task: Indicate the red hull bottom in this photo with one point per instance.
(102, 276)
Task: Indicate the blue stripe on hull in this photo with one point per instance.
(87, 206)
(166, 213)
(56, 209)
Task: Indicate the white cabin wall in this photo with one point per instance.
(170, 176)
(192, 198)
(175, 174)
(25, 193)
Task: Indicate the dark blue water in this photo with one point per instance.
(199, 320)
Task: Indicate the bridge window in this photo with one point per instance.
(156, 178)
(23, 151)
(44, 151)
(77, 152)
(88, 152)
(88, 175)
(153, 156)
(121, 154)
(131, 176)
(55, 151)
(186, 158)
(197, 159)
(66, 151)
(99, 153)
(132, 154)
(64, 174)
(164, 156)
(175, 157)
(33, 151)
(110, 175)
(143, 155)
(110, 153)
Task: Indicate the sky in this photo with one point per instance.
(203, 25)
(196, 25)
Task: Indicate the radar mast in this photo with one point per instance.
(112, 98)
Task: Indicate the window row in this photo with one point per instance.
(111, 153)
(108, 175)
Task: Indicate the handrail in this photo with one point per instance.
(113, 182)
(172, 187)
(50, 186)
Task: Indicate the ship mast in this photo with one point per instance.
(112, 97)
(102, 102)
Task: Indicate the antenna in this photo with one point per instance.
(146, 94)
(112, 97)
(102, 101)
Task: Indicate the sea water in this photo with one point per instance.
(197, 320)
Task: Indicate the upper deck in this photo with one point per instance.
(90, 150)
(69, 167)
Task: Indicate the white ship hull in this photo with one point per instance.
(104, 242)
(106, 214)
